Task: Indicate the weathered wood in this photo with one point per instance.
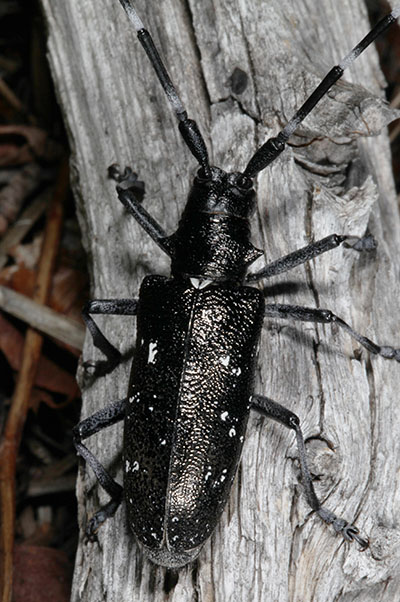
(335, 177)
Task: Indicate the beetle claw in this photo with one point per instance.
(350, 533)
(90, 534)
(93, 526)
(99, 518)
(116, 173)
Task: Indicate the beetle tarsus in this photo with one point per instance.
(128, 178)
(115, 173)
(348, 531)
(95, 369)
(365, 243)
(99, 518)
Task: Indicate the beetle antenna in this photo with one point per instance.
(270, 150)
(187, 127)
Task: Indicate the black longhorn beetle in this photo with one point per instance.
(191, 384)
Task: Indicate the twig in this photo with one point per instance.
(42, 318)
(13, 100)
(23, 224)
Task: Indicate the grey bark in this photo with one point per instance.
(334, 177)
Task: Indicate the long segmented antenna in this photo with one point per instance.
(187, 127)
(270, 150)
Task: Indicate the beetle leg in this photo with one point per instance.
(325, 316)
(130, 192)
(274, 410)
(288, 262)
(120, 307)
(101, 419)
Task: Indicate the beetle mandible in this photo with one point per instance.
(191, 385)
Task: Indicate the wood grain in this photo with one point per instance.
(334, 177)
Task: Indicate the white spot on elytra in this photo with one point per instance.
(175, 519)
(127, 465)
(151, 408)
(163, 442)
(152, 352)
(224, 416)
(207, 476)
(224, 360)
(236, 371)
(232, 432)
(135, 466)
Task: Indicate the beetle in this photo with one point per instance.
(191, 385)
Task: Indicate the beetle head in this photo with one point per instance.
(222, 193)
(213, 237)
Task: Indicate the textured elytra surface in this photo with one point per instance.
(189, 399)
(335, 177)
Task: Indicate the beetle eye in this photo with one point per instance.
(201, 174)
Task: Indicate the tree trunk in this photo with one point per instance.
(242, 69)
